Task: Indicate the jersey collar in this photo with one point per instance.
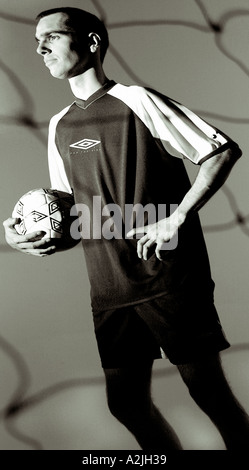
(95, 96)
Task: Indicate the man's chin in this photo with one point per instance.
(57, 75)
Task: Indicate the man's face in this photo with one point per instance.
(55, 45)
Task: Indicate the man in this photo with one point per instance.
(150, 299)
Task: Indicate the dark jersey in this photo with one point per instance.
(121, 149)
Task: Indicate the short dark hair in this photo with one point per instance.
(83, 23)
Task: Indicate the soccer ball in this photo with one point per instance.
(46, 210)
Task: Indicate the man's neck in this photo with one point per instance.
(84, 85)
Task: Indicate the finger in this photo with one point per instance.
(29, 237)
(10, 222)
(46, 252)
(40, 251)
(35, 235)
(134, 231)
(159, 248)
(45, 245)
(41, 244)
(140, 245)
(130, 233)
(146, 247)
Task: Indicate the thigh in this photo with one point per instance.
(207, 373)
(129, 383)
(124, 339)
(185, 325)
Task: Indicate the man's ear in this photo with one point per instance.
(94, 41)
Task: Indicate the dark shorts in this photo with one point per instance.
(183, 328)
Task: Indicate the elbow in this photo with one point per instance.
(233, 153)
(230, 156)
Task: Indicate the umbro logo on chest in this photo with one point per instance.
(85, 144)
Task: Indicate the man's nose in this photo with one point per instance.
(42, 49)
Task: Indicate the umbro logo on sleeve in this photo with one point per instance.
(85, 144)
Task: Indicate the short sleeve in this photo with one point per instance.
(58, 177)
(184, 133)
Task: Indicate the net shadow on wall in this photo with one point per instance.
(21, 402)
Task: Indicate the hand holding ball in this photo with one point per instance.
(49, 211)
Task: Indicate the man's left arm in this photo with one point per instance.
(212, 174)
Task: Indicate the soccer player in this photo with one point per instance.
(151, 298)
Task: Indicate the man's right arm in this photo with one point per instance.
(36, 243)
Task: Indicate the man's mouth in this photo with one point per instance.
(48, 62)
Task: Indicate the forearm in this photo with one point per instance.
(211, 176)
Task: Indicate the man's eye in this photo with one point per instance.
(52, 37)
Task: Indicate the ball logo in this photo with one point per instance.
(37, 216)
(53, 207)
(85, 144)
(19, 208)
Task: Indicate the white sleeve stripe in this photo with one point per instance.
(182, 133)
(56, 167)
(188, 121)
(180, 139)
